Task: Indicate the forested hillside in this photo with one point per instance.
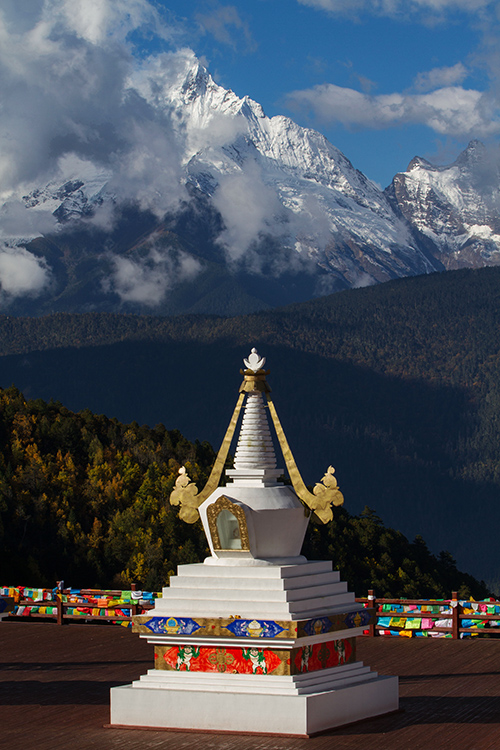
(397, 385)
(84, 498)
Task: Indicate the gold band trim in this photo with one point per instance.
(324, 494)
(218, 467)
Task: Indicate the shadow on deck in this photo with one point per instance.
(54, 693)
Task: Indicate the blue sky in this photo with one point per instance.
(384, 80)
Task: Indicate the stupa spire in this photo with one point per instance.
(255, 446)
(255, 460)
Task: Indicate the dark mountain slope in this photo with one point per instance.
(396, 385)
(98, 490)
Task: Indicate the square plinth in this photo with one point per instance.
(265, 649)
(301, 715)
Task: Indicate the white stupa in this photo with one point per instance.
(255, 638)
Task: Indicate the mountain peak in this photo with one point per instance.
(474, 153)
(475, 146)
(418, 162)
(196, 81)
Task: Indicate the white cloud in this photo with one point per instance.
(99, 20)
(147, 280)
(397, 7)
(17, 221)
(259, 233)
(249, 208)
(21, 273)
(149, 170)
(441, 77)
(219, 131)
(222, 22)
(65, 88)
(311, 223)
(451, 110)
(363, 280)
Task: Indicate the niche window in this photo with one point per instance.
(228, 526)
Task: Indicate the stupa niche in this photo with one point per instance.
(256, 637)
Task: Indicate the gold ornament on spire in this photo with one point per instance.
(325, 493)
(185, 494)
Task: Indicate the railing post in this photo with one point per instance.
(59, 605)
(372, 629)
(455, 618)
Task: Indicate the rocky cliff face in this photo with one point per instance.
(454, 209)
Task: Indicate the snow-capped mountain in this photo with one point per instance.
(455, 207)
(218, 208)
(315, 201)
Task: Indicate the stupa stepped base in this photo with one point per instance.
(264, 712)
(272, 592)
(283, 662)
(299, 684)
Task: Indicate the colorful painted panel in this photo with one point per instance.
(359, 619)
(215, 626)
(320, 625)
(239, 628)
(191, 658)
(171, 625)
(255, 628)
(323, 655)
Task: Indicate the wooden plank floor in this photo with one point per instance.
(55, 681)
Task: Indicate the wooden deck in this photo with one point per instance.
(54, 694)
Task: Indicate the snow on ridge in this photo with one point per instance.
(455, 205)
(293, 160)
(318, 202)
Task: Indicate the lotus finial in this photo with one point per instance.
(254, 362)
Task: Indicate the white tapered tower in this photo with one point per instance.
(256, 638)
(254, 450)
